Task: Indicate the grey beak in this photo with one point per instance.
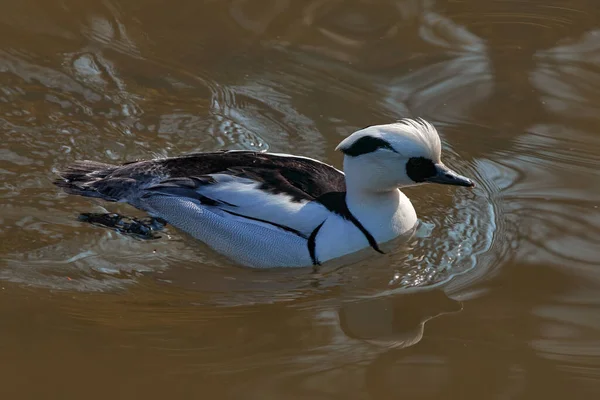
(446, 176)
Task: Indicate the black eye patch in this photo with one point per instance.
(420, 168)
(366, 144)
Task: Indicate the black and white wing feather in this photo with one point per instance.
(281, 190)
(293, 193)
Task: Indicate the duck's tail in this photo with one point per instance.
(80, 178)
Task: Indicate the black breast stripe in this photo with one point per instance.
(336, 202)
(370, 238)
(285, 228)
(312, 244)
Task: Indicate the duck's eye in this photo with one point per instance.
(420, 168)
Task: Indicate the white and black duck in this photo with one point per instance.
(278, 210)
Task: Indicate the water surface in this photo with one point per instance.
(496, 295)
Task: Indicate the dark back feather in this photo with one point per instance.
(301, 178)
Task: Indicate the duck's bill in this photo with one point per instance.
(446, 176)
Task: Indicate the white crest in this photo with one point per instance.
(422, 132)
(408, 137)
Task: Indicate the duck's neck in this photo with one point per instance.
(384, 213)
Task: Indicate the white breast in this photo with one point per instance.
(338, 237)
(385, 220)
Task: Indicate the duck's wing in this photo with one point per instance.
(291, 193)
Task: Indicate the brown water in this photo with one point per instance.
(497, 297)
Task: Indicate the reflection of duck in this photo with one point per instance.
(267, 210)
(394, 321)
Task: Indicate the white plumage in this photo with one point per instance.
(278, 210)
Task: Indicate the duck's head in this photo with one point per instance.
(405, 153)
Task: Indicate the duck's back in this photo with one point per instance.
(294, 193)
(299, 177)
